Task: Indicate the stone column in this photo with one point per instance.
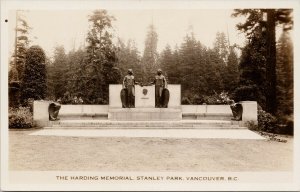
(249, 112)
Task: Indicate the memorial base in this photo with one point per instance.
(144, 114)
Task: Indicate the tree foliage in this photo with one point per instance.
(259, 27)
(129, 58)
(285, 78)
(100, 65)
(252, 69)
(87, 72)
(230, 73)
(150, 55)
(34, 83)
(201, 71)
(58, 73)
(221, 46)
(22, 43)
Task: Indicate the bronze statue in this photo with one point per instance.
(161, 91)
(128, 91)
(237, 111)
(53, 111)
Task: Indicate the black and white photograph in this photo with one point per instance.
(149, 95)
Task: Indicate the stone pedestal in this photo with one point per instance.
(249, 112)
(40, 113)
(142, 100)
(144, 105)
(145, 96)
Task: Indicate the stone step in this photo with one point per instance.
(105, 117)
(145, 124)
(144, 114)
(147, 128)
(184, 116)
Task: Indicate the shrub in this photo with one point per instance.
(246, 93)
(20, 117)
(286, 125)
(196, 100)
(186, 101)
(218, 99)
(266, 122)
(28, 103)
(252, 126)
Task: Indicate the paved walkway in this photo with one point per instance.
(160, 133)
(29, 151)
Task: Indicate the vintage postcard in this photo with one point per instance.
(149, 95)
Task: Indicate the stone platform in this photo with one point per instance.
(161, 133)
(144, 114)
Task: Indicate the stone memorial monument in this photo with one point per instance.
(148, 104)
(144, 109)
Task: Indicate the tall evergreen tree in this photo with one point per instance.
(267, 19)
(50, 79)
(167, 63)
(188, 64)
(252, 69)
(150, 56)
(100, 68)
(12, 73)
(76, 81)
(221, 46)
(34, 84)
(231, 73)
(129, 58)
(285, 84)
(21, 43)
(271, 101)
(214, 66)
(60, 69)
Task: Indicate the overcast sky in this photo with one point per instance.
(69, 28)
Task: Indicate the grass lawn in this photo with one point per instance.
(53, 153)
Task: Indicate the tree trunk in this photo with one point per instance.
(271, 101)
